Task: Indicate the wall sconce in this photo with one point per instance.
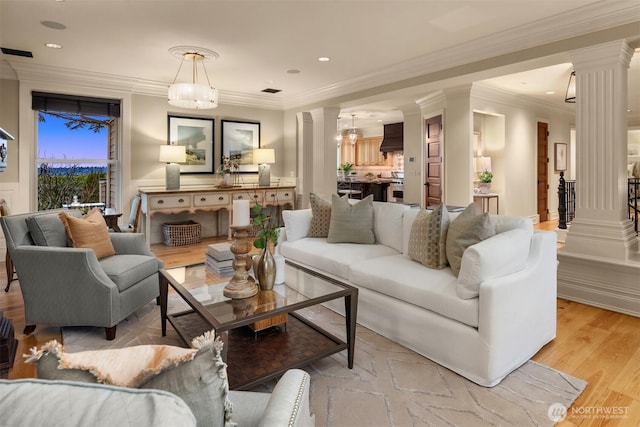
(263, 157)
(172, 155)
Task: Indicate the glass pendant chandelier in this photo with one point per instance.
(353, 133)
(193, 95)
(338, 132)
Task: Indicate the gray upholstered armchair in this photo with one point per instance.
(66, 286)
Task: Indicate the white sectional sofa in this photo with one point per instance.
(482, 338)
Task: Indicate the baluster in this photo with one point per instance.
(562, 203)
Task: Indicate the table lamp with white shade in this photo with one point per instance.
(264, 157)
(172, 155)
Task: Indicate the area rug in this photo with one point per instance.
(389, 384)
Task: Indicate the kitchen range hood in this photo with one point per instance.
(392, 138)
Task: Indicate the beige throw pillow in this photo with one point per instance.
(321, 216)
(351, 223)
(464, 231)
(428, 237)
(90, 232)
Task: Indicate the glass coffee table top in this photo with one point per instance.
(254, 357)
(300, 288)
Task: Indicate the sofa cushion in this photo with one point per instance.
(129, 269)
(90, 232)
(297, 224)
(427, 241)
(497, 256)
(466, 230)
(351, 223)
(400, 277)
(36, 402)
(321, 216)
(334, 259)
(387, 221)
(196, 375)
(47, 229)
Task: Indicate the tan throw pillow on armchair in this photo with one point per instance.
(90, 232)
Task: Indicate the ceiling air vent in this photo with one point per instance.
(16, 52)
(271, 90)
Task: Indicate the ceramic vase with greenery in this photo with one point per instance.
(264, 265)
(485, 179)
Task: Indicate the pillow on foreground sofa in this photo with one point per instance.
(482, 323)
(165, 384)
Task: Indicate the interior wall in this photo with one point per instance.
(516, 160)
(149, 131)
(9, 122)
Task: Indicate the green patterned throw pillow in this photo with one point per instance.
(464, 231)
(321, 216)
(351, 223)
(427, 240)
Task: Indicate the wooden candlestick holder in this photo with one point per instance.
(241, 284)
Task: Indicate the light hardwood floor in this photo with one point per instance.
(599, 346)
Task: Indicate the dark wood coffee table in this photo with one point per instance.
(254, 358)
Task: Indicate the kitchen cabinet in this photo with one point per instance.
(368, 152)
(348, 151)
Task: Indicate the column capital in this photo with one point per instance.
(602, 56)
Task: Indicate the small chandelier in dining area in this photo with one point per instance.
(193, 95)
(353, 132)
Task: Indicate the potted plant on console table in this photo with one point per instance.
(265, 265)
(485, 181)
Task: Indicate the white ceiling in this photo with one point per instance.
(370, 43)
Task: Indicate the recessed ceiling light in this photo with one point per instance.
(324, 59)
(53, 45)
(293, 71)
(551, 92)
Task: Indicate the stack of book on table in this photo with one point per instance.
(219, 259)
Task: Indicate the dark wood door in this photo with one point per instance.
(433, 160)
(543, 170)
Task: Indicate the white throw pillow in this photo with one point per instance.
(497, 256)
(297, 223)
(387, 224)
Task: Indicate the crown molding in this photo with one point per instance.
(582, 21)
(588, 19)
(67, 76)
(501, 96)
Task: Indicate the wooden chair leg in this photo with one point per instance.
(111, 333)
(9, 266)
(28, 329)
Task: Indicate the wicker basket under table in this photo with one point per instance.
(181, 233)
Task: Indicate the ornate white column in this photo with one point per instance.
(325, 153)
(601, 227)
(600, 263)
(305, 158)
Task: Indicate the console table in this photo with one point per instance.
(485, 198)
(208, 198)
